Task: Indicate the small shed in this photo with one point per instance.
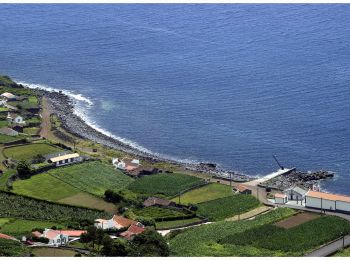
(154, 201)
(242, 189)
(281, 198)
(65, 159)
(296, 193)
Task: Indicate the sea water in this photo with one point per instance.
(231, 84)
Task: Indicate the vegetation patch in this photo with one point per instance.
(176, 223)
(90, 201)
(93, 177)
(15, 206)
(5, 177)
(297, 219)
(159, 213)
(31, 130)
(52, 252)
(4, 123)
(297, 240)
(206, 193)
(222, 208)
(19, 227)
(26, 152)
(204, 240)
(12, 248)
(7, 138)
(166, 184)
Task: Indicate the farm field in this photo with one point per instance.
(222, 208)
(297, 219)
(19, 227)
(94, 177)
(14, 206)
(3, 221)
(26, 152)
(52, 252)
(12, 248)
(4, 123)
(204, 240)
(31, 130)
(292, 241)
(44, 186)
(6, 138)
(158, 213)
(164, 184)
(90, 201)
(175, 223)
(208, 192)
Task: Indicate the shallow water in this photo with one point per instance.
(231, 84)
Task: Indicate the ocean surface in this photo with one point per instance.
(231, 84)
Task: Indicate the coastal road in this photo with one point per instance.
(331, 248)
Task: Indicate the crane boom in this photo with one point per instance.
(274, 156)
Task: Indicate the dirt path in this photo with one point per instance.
(45, 124)
(250, 214)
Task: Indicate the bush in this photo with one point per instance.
(40, 239)
(149, 243)
(23, 169)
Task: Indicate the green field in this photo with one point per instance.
(3, 221)
(18, 227)
(166, 184)
(12, 248)
(44, 186)
(4, 178)
(14, 206)
(292, 241)
(204, 240)
(33, 100)
(53, 252)
(208, 192)
(6, 138)
(31, 130)
(222, 208)
(175, 223)
(26, 152)
(344, 252)
(4, 123)
(47, 187)
(158, 213)
(93, 177)
(4, 109)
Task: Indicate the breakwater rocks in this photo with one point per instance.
(304, 179)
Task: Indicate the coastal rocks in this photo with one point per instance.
(307, 180)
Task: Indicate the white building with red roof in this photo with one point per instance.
(132, 231)
(327, 201)
(58, 237)
(117, 222)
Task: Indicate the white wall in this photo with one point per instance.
(280, 200)
(341, 205)
(326, 204)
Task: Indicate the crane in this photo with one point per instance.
(274, 156)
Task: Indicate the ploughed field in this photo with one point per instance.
(258, 237)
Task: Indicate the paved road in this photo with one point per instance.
(330, 248)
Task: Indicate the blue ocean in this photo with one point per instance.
(226, 83)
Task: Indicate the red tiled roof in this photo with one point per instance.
(241, 187)
(4, 236)
(132, 230)
(280, 195)
(327, 196)
(51, 234)
(36, 234)
(72, 233)
(124, 222)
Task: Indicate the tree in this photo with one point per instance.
(112, 196)
(39, 158)
(23, 169)
(117, 247)
(149, 243)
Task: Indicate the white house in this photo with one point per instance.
(327, 201)
(8, 96)
(14, 118)
(281, 198)
(58, 237)
(126, 164)
(65, 159)
(296, 193)
(117, 222)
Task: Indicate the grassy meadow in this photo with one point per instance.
(26, 152)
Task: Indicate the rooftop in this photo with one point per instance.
(124, 222)
(280, 195)
(327, 196)
(64, 157)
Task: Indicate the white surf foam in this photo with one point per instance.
(83, 105)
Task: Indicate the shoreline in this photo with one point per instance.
(63, 106)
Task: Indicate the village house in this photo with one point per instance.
(117, 222)
(58, 237)
(327, 201)
(242, 189)
(296, 193)
(126, 164)
(154, 201)
(65, 159)
(132, 231)
(14, 118)
(281, 198)
(8, 96)
(8, 131)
